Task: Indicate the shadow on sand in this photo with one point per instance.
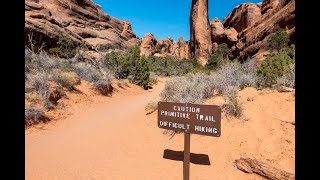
(201, 159)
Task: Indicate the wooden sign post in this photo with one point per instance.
(186, 156)
(190, 119)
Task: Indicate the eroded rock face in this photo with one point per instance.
(223, 35)
(81, 20)
(243, 16)
(268, 5)
(200, 31)
(183, 49)
(147, 47)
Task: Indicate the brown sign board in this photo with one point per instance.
(190, 118)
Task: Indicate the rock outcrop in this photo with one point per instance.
(81, 20)
(246, 29)
(200, 31)
(148, 45)
(127, 30)
(223, 35)
(243, 16)
(183, 49)
(268, 5)
(164, 48)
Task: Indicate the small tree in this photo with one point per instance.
(278, 40)
(213, 61)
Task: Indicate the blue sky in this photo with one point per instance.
(164, 18)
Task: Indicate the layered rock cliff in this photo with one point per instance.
(81, 20)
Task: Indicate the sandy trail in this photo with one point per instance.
(116, 140)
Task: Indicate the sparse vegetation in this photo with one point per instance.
(104, 87)
(43, 72)
(288, 78)
(226, 80)
(232, 107)
(34, 116)
(151, 107)
(66, 48)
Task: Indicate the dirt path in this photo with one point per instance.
(116, 140)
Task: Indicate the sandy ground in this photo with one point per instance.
(113, 138)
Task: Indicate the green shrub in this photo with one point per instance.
(119, 64)
(129, 65)
(66, 48)
(219, 57)
(278, 40)
(140, 72)
(272, 68)
(66, 79)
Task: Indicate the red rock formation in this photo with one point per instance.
(127, 30)
(147, 47)
(268, 5)
(183, 49)
(242, 16)
(200, 31)
(254, 38)
(166, 45)
(83, 21)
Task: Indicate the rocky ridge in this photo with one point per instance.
(81, 20)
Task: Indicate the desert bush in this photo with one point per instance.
(104, 87)
(151, 107)
(86, 72)
(288, 78)
(32, 97)
(194, 88)
(189, 89)
(232, 107)
(66, 79)
(291, 51)
(272, 68)
(34, 116)
(39, 83)
(232, 73)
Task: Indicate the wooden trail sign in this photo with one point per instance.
(189, 118)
